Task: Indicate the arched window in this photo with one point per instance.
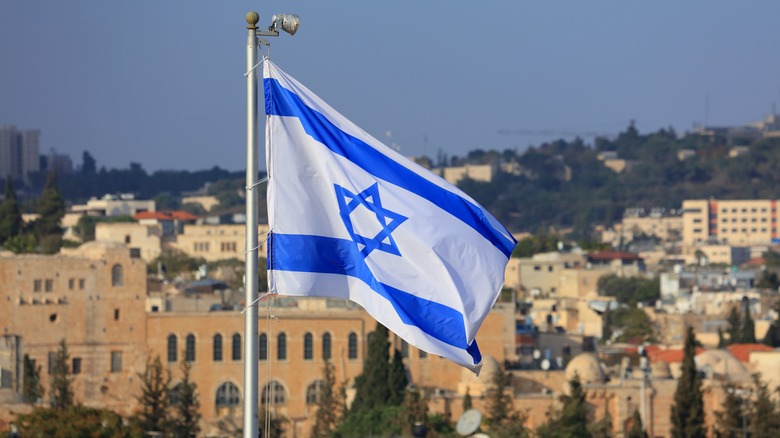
(117, 275)
(189, 348)
(173, 351)
(326, 346)
(263, 347)
(228, 395)
(352, 347)
(273, 394)
(217, 348)
(308, 346)
(314, 392)
(236, 353)
(281, 347)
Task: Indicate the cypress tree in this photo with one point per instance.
(467, 403)
(772, 337)
(748, 335)
(51, 207)
(499, 399)
(61, 391)
(154, 398)
(764, 422)
(328, 405)
(637, 430)
(735, 327)
(730, 420)
(11, 223)
(371, 386)
(687, 416)
(186, 419)
(572, 420)
(32, 391)
(396, 380)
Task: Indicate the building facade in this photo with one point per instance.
(734, 222)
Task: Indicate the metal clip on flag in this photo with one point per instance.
(351, 218)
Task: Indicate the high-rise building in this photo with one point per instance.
(19, 152)
(735, 222)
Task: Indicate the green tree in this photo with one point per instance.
(371, 386)
(734, 328)
(61, 385)
(24, 243)
(637, 429)
(499, 396)
(155, 397)
(764, 421)
(185, 422)
(32, 390)
(731, 418)
(396, 380)
(51, 208)
(687, 415)
(72, 422)
(629, 290)
(415, 409)
(601, 428)
(11, 223)
(467, 403)
(328, 404)
(748, 327)
(772, 337)
(572, 420)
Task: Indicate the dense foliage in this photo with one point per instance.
(630, 290)
(572, 420)
(564, 184)
(687, 416)
(628, 324)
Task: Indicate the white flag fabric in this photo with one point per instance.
(351, 218)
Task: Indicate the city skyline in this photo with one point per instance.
(162, 84)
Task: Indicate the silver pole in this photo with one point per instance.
(250, 278)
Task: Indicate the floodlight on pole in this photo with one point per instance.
(288, 23)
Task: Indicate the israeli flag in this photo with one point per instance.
(351, 218)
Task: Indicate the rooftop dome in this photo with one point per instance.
(587, 367)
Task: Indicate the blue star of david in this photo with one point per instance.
(389, 220)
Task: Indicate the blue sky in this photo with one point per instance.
(161, 82)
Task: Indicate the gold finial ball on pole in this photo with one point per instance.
(252, 18)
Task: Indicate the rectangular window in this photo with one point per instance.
(81, 283)
(697, 221)
(116, 314)
(116, 361)
(537, 268)
(76, 365)
(52, 356)
(37, 285)
(71, 283)
(49, 284)
(697, 230)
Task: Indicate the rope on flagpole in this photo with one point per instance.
(263, 58)
(256, 184)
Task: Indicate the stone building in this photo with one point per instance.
(92, 297)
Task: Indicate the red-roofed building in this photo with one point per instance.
(171, 222)
(742, 351)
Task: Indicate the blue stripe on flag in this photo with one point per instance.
(280, 101)
(328, 255)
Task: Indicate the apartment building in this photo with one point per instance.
(19, 154)
(734, 222)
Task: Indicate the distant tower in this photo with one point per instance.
(19, 154)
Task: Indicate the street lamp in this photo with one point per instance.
(288, 23)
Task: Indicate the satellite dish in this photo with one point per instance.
(468, 422)
(546, 364)
(537, 354)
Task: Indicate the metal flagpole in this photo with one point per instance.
(251, 276)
